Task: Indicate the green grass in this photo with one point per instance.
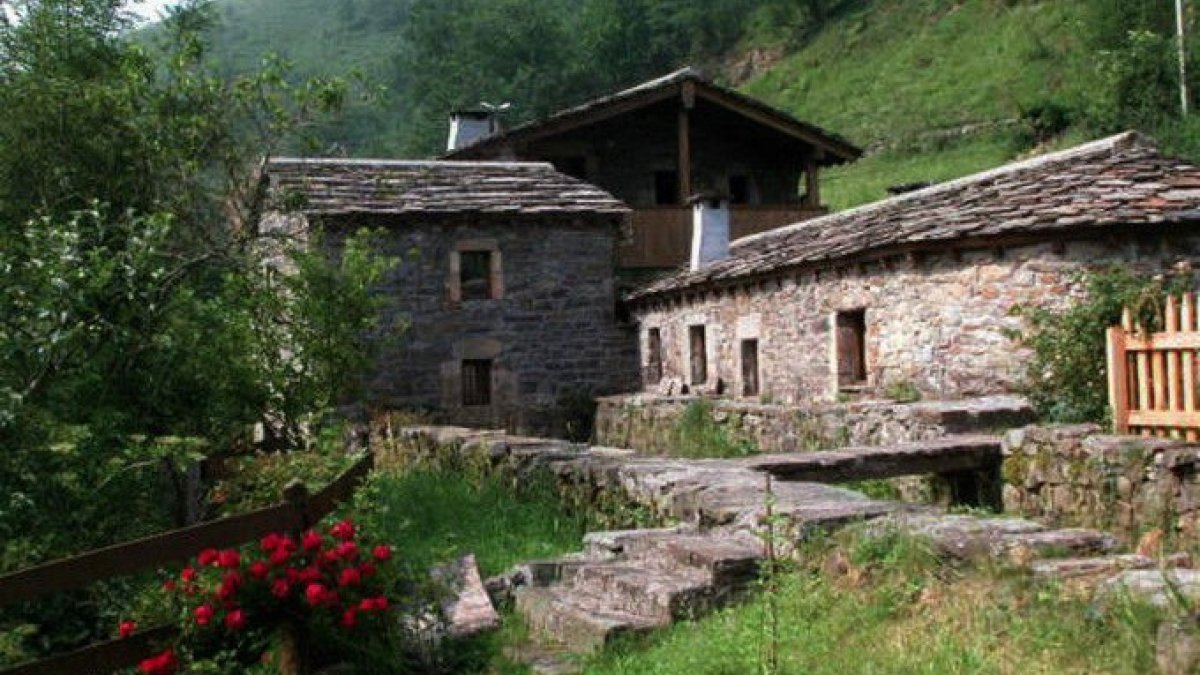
(698, 435)
(896, 610)
(433, 516)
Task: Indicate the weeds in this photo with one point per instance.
(698, 435)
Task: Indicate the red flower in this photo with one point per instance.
(311, 541)
(271, 542)
(343, 530)
(229, 585)
(162, 664)
(329, 558)
(315, 594)
(235, 620)
(229, 559)
(281, 588)
(347, 550)
(259, 570)
(382, 552)
(188, 574)
(349, 617)
(169, 586)
(376, 604)
(207, 557)
(308, 575)
(350, 577)
(203, 614)
(126, 628)
(280, 556)
(367, 569)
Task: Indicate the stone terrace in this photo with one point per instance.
(639, 580)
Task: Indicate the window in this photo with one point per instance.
(654, 356)
(666, 187)
(477, 382)
(739, 189)
(850, 336)
(475, 275)
(699, 359)
(750, 367)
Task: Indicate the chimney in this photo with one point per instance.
(469, 126)
(710, 230)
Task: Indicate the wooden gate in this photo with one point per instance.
(1152, 376)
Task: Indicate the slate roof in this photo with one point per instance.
(1121, 180)
(838, 149)
(345, 186)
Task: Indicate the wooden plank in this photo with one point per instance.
(1164, 418)
(143, 554)
(102, 657)
(1187, 320)
(324, 502)
(1143, 380)
(684, 166)
(1174, 385)
(1118, 379)
(1161, 341)
(1158, 370)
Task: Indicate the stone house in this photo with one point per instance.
(918, 289)
(656, 145)
(505, 287)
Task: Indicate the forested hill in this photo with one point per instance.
(933, 88)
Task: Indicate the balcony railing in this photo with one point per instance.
(662, 236)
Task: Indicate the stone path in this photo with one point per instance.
(634, 581)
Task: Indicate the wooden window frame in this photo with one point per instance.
(751, 373)
(848, 328)
(698, 354)
(495, 270)
(475, 372)
(654, 356)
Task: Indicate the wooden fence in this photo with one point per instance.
(297, 512)
(1152, 376)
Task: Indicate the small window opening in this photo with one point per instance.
(750, 367)
(851, 347)
(654, 356)
(666, 187)
(739, 189)
(475, 275)
(699, 358)
(477, 382)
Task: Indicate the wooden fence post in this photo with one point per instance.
(1118, 380)
(294, 648)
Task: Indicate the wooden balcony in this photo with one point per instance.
(662, 235)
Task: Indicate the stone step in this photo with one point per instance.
(658, 594)
(941, 455)
(610, 543)
(1103, 566)
(1064, 543)
(580, 623)
(728, 559)
(1004, 539)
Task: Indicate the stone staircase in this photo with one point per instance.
(634, 581)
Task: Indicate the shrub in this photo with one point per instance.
(698, 434)
(1066, 379)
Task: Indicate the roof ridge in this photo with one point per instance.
(1121, 142)
(406, 163)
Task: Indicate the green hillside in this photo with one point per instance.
(933, 89)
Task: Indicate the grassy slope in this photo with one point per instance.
(893, 70)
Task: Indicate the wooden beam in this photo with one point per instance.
(684, 167)
(812, 183)
(774, 121)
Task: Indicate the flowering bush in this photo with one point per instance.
(234, 600)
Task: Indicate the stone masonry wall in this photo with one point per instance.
(648, 423)
(1074, 475)
(936, 321)
(552, 336)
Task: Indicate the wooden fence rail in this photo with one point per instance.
(1152, 376)
(298, 511)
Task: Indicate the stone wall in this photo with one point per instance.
(552, 334)
(1074, 475)
(935, 321)
(648, 423)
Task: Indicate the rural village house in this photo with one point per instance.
(657, 145)
(505, 287)
(918, 288)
